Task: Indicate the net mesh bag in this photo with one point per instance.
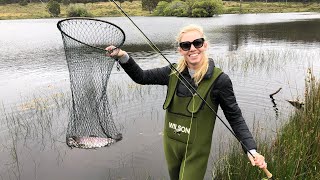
(91, 123)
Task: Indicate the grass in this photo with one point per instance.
(99, 9)
(102, 9)
(232, 7)
(15, 11)
(294, 154)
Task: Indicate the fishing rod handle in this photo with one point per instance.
(269, 175)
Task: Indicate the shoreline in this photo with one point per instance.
(107, 9)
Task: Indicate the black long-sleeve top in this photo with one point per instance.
(222, 94)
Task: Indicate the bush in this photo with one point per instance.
(207, 8)
(53, 8)
(199, 12)
(176, 8)
(78, 11)
(192, 8)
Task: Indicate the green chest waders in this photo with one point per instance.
(188, 130)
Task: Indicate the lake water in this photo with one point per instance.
(260, 52)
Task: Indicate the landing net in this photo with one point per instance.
(84, 42)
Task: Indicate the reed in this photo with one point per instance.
(31, 126)
(261, 60)
(294, 154)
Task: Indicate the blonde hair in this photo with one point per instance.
(182, 63)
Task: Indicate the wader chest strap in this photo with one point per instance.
(202, 89)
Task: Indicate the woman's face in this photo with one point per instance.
(194, 55)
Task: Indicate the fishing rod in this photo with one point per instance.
(269, 175)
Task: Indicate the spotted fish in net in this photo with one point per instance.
(91, 142)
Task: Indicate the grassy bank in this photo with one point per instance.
(295, 152)
(100, 9)
(232, 7)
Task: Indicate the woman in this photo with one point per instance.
(189, 122)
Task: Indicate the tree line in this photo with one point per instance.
(146, 4)
(179, 8)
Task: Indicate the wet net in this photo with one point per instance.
(91, 123)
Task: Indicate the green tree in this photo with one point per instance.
(159, 10)
(54, 8)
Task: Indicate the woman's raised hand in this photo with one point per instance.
(114, 52)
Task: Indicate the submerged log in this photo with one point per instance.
(271, 95)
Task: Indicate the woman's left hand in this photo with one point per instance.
(257, 160)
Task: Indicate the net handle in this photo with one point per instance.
(91, 19)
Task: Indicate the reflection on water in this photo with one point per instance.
(294, 32)
(274, 102)
(261, 54)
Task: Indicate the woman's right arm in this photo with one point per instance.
(157, 76)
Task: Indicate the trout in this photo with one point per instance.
(90, 142)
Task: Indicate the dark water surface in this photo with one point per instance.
(260, 52)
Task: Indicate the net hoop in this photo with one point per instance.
(61, 22)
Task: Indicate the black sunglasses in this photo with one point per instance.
(197, 43)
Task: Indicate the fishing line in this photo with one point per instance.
(185, 154)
